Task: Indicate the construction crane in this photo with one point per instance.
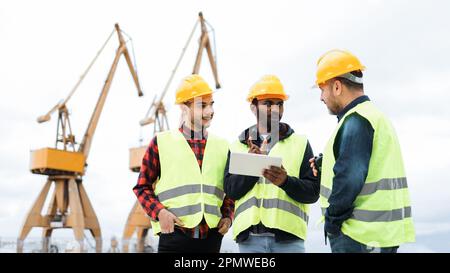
(138, 221)
(65, 166)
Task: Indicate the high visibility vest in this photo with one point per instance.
(184, 189)
(268, 203)
(382, 210)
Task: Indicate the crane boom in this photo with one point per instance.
(61, 104)
(205, 43)
(89, 134)
(149, 117)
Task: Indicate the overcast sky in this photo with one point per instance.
(46, 45)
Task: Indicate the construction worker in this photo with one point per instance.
(180, 184)
(364, 195)
(271, 212)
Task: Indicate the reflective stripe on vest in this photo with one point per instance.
(324, 191)
(186, 210)
(384, 184)
(379, 215)
(215, 210)
(187, 189)
(271, 204)
(369, 188)
(193, 209)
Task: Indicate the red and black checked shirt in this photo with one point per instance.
(151, 170)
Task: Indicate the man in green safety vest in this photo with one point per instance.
(271, 212)
(180, 184)
(363, 194)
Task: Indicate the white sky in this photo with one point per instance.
(46, 45)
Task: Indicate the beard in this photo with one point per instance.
(333, 108)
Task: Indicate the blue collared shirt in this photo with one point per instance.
(352, 150)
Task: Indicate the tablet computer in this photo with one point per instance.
(251, 164)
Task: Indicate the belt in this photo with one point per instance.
(259, 229)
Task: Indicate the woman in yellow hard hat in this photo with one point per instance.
(187, 205)
(271, 211)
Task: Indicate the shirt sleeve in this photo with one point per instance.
(304, 189)
(227, 208)
(352, 150)
(148, 175)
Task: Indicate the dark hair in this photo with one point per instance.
(255, 101)
(352, 85)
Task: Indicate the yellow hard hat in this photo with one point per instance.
(335, 63)
(190, 87)
(268, 86)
